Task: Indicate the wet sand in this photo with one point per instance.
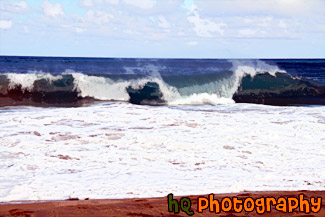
(145, 207)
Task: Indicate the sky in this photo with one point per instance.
(163, 28)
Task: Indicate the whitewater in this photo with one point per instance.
(120, 150)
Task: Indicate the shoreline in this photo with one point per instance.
(146, 207)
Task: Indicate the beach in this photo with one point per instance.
(144, 207)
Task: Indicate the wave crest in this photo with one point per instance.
(153, 88)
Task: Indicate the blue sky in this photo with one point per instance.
(164, 28)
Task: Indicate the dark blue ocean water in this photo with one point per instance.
(307, 68)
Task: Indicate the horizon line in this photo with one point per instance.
(101, 57)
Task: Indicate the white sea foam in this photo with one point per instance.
(201, 99)
(100, 87)
(120, 150)
(26, 81)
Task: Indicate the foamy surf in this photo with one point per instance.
(121, 150)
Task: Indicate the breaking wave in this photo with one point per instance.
(246, 81)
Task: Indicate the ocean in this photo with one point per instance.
(126, 128)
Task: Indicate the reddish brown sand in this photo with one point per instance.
(146, 207)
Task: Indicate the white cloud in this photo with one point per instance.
(286, 8)
(191, 43)
(79, 30)
(93, 3)
(98, 17)
(144, 4)
(282, 24)
(163, 23)
(286, 19)
(14, 6)
(263, 27)
(20, 5)
(26, 29)
(135, 7)
(52, 10)
(113, 2)
(204, 27)
(247, 32)
(158, 36)
(259, 21)
(87, 3)
(5, 24)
